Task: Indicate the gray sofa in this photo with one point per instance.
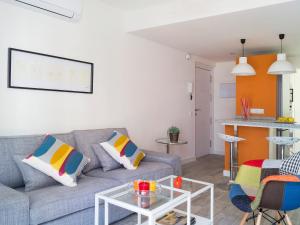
(61, 205)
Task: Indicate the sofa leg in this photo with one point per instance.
(259, 218)
(243, 221)
(288, 220)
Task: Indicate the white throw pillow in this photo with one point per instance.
(58, 160)
(123, 150)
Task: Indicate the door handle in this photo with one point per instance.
(196, 110)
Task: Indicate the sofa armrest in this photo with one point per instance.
(14, 207)
(172, 160)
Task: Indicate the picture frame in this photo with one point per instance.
(39, 71)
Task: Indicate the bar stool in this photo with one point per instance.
(231, 140)
(282, 142)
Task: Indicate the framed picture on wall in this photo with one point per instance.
(37, 71)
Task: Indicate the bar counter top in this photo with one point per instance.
(263, 123)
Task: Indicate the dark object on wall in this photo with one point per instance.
(37, 71)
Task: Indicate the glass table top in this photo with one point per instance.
(126, 194)
(190, 185)
(167, 141)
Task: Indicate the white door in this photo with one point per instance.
(203, 111)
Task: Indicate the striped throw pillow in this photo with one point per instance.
(58, 160)
(123, 150)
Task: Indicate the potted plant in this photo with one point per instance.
(173, 134)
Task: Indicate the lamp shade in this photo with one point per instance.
(281, 66)
(243, 68)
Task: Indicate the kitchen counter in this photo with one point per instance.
(255, 132)
(262, 123)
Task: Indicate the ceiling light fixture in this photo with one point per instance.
(243, 68)
(281, 65)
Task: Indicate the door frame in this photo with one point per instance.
(210, 68)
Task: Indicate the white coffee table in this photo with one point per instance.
(195, 188)
(164, 201)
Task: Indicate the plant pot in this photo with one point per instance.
(174, 137)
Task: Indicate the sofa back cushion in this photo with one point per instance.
(10, 174)
(86, 138)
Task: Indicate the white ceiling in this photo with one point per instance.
(134, 4)
(217, 38)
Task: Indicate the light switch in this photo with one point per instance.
(257, 111)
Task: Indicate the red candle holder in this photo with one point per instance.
(144, 188)
(177, 183)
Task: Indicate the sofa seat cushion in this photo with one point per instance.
(53, 202)
(146, 170)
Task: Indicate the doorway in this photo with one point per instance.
(203, 111)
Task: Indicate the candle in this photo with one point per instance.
(136, 185)
(144, 188)
(152, 185)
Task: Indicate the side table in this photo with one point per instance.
(167, 142)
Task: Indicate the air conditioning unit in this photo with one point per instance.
(70, 9)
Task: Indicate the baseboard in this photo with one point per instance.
(226, 173)
(216, 152)
(188, 160)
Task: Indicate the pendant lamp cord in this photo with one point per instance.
(281, 37)
(243, 41)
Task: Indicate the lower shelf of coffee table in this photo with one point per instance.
(199, 220)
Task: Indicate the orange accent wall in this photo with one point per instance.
(261, 91)
(254, 147)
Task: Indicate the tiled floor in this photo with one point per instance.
(210, 168)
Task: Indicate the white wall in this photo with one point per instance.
(138, 84)
(295, 84)
(224, 108)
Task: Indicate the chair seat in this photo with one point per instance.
(229, 138)
(283, 140)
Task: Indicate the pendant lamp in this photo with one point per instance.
(281, 65)
(243, 68)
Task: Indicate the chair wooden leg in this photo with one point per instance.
(277, 216)
(258, 222)
(288, 220)
(243, 221)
